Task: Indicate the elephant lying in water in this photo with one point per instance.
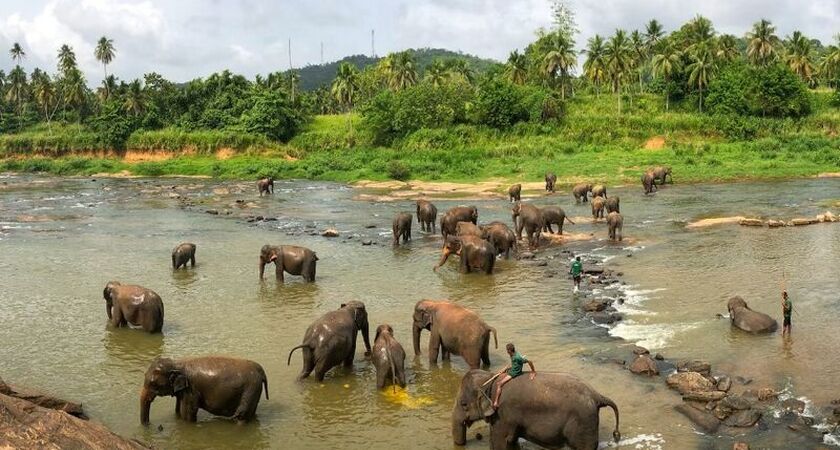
(748, 320)
(552, 410)
(453, 329)
(130, 304)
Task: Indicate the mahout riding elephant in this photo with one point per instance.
(426, 215)
(500, 236)
(660, 173)
(475, 253)
(454, 330)
(220, 385)
(331, 340)
(401, 228)
(289, 258)
(649, 182)
(615, 223)
(550, 181)
(553, 410)
(599, 190)
(749, 320)
(515, 193)
(612, 204)
(531, 219)
(266, 185)
(131, 304)
(554, 215)
(580, 192)
(388, 357)
(182, 254)
(597, 204)
(457, 214)
(467, 229)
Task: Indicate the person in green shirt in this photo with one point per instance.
(511, 371)
(576, 269)
(787, 310)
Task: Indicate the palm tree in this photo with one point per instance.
(344, 88)
(74, 91)
(700, 33)
(594, 68)
(653, 33)
(701, 71)
(517, 67)
(401, 70)
(637, 44)
(830, 63)
(762, 43)
(17, 92)
(799, 57)
(105, 53)
(559, 60)
(109, 85)
(17, 53)
(46, 97)
(66, 59)
(665, 64)
(436, 73)
(460, 67)
(135, 99)
(727, 48)
(618, 55)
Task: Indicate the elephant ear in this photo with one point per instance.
(485, 406)
(178, 380)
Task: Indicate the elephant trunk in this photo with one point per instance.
(366, 337)
(146, 398)
(415, 337)
(459, 430)
(443, 258)
(108, 306)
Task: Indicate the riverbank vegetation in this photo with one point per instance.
(714, 106)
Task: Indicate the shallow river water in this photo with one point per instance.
(62, 239)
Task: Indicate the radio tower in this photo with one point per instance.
(372, 47)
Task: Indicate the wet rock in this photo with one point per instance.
(221, 191)
(701, 367)
(214, 212)
(724, 383)
(43, 400)
(367, 242)
(605, 318)
(658, 357)
(743, 419)
(369, 226)
(330, 233)
(751, 222)
(705, 421)
(743, 381)
(541, 263)
(741, 446)
(638, 350)
(593, 270)
(704, 396)
(799, 221)
(644, 365)
(767, 393)
(270, 219)
(689, 382)
(735, 402)
(793, 404)
(772, 223)
(594, 306)
(527, 255)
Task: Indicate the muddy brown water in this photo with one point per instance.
(53, 333)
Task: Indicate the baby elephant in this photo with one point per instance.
(550, 181)
(289, 258)
(615, 223)
(135, 305)
(597, 207)
(613, 204)
(388, 357)
(401, 227)
(182, 254)
(554, 215)
(515, 193)
(266, 185)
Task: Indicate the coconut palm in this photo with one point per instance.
(18, 90)
(618, 57)
(401, 70)
(109, 85)
(559, 60)
(664, 64)
(74, 90)
(66, 59)
(135, 98)
(436, 73)
(762, 43)
(461, 68)
(344, 88)
(516, 67)
(727, 48)
(653, 33)
(799, 57)
(701, 71)
(700, 33)
(830, 63)
(105, 53)
(17, 53)
(46, 97)
(595, 66)
(639, 52)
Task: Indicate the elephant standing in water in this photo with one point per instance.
(580, 192)
(331, 340)
(401, 228)
(612, 204)
(266, 185)
(454, 330)
(223, 386)
(388, 357)
(426, 215)
(183, 254)
(531, 219)
(660, 173)
(515, 193)
(552, 410)
(550, 181)
(554, 215)
(457, 214)
(748, 320)
(289, 258)
(475, 253)
(597, 207)
(130, 304)
(599, 190)
(615, 223)
(500, 236)
(649, 182)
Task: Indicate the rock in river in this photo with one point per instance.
(689, 382)
(707, 422)
(644, 365)
(743, 419)
(701, 367)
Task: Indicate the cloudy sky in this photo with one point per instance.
(184, 39)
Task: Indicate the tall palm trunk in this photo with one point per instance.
(701, 99)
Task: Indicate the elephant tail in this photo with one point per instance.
(604, 401)
(569, 220)
(495, 338)
(265, 384)
(289, 360)
(393, 367)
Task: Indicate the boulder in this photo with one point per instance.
(527, 255)
(637, 350)
(741, 446)
(743, 419)
(767, 393)
(701, 367)
(773, 223)
(705, 421)
(644, 365)
(793, 404)
(751, 222)
(595, 306)
(735, 402)
(689, 382)
(330, 233)
(593, 270)
(42, 400)
(704, 396)
(605, 318)
(724, 383)
(799, 221)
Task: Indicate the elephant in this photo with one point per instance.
(500, 236)
(457, 214)
(615, 222)
(220, 385)
(553, 410)
(454, 330)
(130, 304)
(550, 181)
(515, 193)
(266, 185)
(182, 254)
(597, 207)
(401, 228)
(289, 258)
(426, 215)
(599, 190)
(749, 320)
(475, 253)
(531, 219)
(660, 173)
(580, 191)
(331, 340)
(554, 215)
(388, 357)
(649, 182)
(612, 204)
(467, 229)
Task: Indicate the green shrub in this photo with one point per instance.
(500, 104)
(273, 115)
(398, 170)
(773, 91)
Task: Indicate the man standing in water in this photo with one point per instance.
(576, 269)
(513, 370)
(787, 310)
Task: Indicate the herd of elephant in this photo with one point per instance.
(232, 387)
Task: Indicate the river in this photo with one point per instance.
(62, 239)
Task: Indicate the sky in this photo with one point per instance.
(186, 39)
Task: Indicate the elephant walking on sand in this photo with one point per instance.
(131, 304)
(401, 228)
(743, 317)
(615, 223)
(426, 215)
(388, 357)
(289, 258)
(331, 340)
(552, 410)
(515, 193)
(454, 330)
(183, 254)
(223, 386)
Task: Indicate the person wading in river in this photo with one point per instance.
(576, 269)
(511, 371)
(787, 310)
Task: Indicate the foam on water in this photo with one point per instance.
(641, 442)
(654, 336)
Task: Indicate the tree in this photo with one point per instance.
(75, 90)
(653, 33)
(436, 73)
(727, 48)
(18, 90)
(830, 63)
(400, 70)
(665, 64)
(698, 32)
(461, 68)
(559, 61)
(66, 59)
(701, 71)
(109, 85)
(45, 97)
(17, 53)
(639, 53)
(618, 56)
(516, 68)
(105, 53)
(564, 20)
(135, 99)
(344, 88)
(799, 57)
(762, 43)
(595, 66)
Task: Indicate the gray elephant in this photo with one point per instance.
(612, 204)
(475, 253)
(649, 182)
(500, 236)
(289, 258)
(182, 254)
(597, 204)
(331, 340)
(223, 386)
(749, 320)
(266, 185)
(615, 223)
(453, 330)
(426, 215)
(401, 228)
(131, 304)
(467, 229)
(388, 357)
(515, 193)
(599, 190)
(553, 410)
(529, 218)
(580, 192)
(457, 214)
(550, 181)
(661, 173)
(554, 215)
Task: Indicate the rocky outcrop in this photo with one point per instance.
(42, 400)
(701, 367)
(685, 382)
(705, 421)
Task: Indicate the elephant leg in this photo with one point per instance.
(519, 226)
(321, 369)
(434, 347)
(308, 363)
(463, 265)
(174, 263)
(189, 408)
(192, 260)
(445, 354)
(278, 270)
(117, 318)
(581, 437)
(348, 361)
(248, 402)
(485, 353)
(177, 406)
(502, 437)
(309, 272)
(381, 375)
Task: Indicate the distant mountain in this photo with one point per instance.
(315, 76)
